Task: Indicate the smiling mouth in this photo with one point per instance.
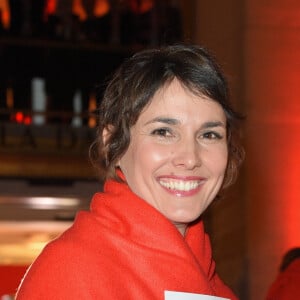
(180, 185)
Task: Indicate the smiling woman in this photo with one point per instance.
(167, 145)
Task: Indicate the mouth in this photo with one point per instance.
(181, 186)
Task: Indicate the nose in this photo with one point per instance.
(186, 154)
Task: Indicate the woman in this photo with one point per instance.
(167, 145)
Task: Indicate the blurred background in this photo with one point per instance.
(56, 56)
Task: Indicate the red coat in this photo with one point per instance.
(123, 249)
(287, 284)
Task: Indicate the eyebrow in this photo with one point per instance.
(212, 124)
(165, 120)
(171, 121)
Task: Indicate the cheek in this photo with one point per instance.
(143, 157)
(217, 161)
(151, 153)
(160, 154)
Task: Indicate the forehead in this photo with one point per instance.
(175, 98)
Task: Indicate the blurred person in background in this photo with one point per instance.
(287, 284)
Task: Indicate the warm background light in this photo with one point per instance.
(21, 242)
(272, 64)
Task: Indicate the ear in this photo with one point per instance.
(107, 131)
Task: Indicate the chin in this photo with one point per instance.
(184, 218)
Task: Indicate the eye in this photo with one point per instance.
(212, 135)
(162, 132)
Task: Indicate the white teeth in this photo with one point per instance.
(180, 185)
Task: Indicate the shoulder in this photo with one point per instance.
(62, 271)
(286, 285)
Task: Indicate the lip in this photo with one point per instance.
(195, 181)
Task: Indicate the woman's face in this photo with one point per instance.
(177, 155)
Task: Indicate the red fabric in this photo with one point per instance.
(10, 277)
(123, 249)
(287, 284)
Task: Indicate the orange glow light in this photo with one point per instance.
(140, 7)
(50, 8)
(101, 8)
(5, 13)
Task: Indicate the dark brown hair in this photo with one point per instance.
(133, 86)
(289, 257)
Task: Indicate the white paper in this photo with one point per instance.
(171, 295)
